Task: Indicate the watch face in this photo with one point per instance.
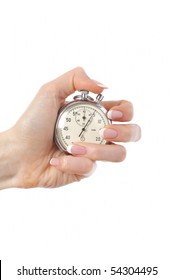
(80, 121)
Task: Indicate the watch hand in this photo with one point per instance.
(84, 115)
(89, 121)
(83, 129)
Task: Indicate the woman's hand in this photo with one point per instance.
(31, 157)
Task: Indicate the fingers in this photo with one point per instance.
(77, 79)
(119, 110)
(71, 81)
(112, 153)
(87, 153)
(121, 133)
(74, 165)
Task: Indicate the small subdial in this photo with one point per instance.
(82, 116)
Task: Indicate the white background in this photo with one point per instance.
(122, 215)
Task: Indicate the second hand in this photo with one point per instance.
(83, 129)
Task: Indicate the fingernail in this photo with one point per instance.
(114, 115)
(102, 86)
(108, 133)
(135, 134)
(54, 161)
(76, 150)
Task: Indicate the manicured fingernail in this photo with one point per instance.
(108, 133)
(114, 115)
(135, 134)
(102, 86)
(54, 161)
(76, 150)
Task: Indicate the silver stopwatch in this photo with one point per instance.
(80, 121)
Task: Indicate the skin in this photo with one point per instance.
(27, 148)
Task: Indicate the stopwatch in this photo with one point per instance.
(80, 121)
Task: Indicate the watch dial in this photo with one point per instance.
(80, 122)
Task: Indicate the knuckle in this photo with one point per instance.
(91, 169)
(129, 104)
(47, 88)
(87, 167)
(130, 111)
(129, 131)
(79, 69)
(128, 107)
(63, 163)
(122, 155)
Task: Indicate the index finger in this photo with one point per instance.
(75, 79)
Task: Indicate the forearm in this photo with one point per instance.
(9, 165)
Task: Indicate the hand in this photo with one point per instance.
(87, 124)
(34, 160)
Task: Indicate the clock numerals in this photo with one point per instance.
(98, 139)
(68, 119)
(80, 122)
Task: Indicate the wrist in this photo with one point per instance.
(9, 163)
